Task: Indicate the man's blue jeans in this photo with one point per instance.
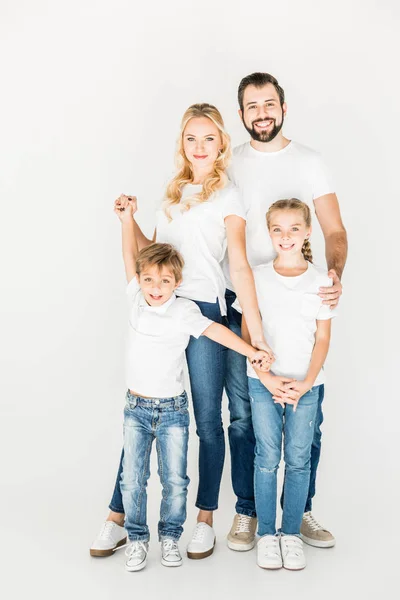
(271, 422)
(165, 420)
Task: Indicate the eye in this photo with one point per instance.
(147, 279)
(210, 139)
(165, 281)
(276, 230)
(270, 104)
(251, 107)
(190, 139)
(295, 229)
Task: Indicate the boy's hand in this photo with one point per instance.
(278, 386)
(125, 207)
(293, 393)
(261, 360)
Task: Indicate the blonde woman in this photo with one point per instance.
(202, 215)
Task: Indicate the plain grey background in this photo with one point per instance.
(92, 96)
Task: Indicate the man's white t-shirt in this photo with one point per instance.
(157, 339)
(265, 177)
(200, 236)
(290, 308)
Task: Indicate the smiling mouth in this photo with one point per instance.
(155, 297)
(286, 246)
(200, 156)
(264, 124)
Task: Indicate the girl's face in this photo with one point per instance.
(288, 231)
(201, 143)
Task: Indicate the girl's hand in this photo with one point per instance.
(277, 386)
(125, 207)
(293, 394)
(262, 345)
(261, 360)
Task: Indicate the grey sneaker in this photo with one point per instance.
(313, 534)
(242, 534)
(170, 555)
(137, 555)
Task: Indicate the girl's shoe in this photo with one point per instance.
(269, 552)
(202, 543)
(111, 537)
(292, 552)
(170, 555)
(137, 555)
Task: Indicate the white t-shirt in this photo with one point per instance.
(200, 236)
(290, 308)
(265, 177)
(157, 340)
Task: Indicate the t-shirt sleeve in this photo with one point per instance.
(322, 183)
(233, 204)
(191, 319)
(133, 290)
(325, 312)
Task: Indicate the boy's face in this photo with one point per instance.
(157, 284)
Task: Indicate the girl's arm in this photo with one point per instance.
(243, 280)
(224, 336)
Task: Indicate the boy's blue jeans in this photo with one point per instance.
(165, 420)
(271, 422)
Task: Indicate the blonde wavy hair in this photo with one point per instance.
(217, 180)
(294, 204)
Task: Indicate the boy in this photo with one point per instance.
(156, 403)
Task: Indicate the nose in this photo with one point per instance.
(199, 146)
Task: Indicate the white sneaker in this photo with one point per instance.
(137, 555)
(292, 552)
(269, 552)
(111, 537)
(202, 543)
(170, 555)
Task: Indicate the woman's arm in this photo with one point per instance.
(243, 279)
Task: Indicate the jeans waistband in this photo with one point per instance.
(175, 401)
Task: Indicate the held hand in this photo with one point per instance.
(261, 360)
(278, 386)
(331, 295)
(125, 207)
(262, 345)
(293, 393)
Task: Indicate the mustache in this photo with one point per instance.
(262, 120)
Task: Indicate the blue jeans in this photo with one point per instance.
(270, 422)
(165, 420)
(212, 366)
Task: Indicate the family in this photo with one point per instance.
(228, 284)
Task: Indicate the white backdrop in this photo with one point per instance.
(93, 92)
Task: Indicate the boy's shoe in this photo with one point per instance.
(111, 537)
(292, 552)
(137, 555)
(170, 555)
(269, 552)
(202, 543)
(314, 534)
(242, 534)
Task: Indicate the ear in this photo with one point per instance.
(284, 108)
(137, 277)
(177, 283)
(240, 113)
(309, 233)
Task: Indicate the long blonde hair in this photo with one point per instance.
(216, 180)
(294, 204)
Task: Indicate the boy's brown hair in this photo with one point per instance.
(161, 255)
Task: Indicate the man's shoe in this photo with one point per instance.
(111, 537)
(137, 555)
(170, 555)
(242, 534)
(292, 553)
(269, 552)
(312, 533)
(202, 543)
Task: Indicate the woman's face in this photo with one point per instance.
(288, 231)
(201, 143)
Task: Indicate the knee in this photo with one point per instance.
(297, 460)
(209, 430)
(267, 461)
(241, 425)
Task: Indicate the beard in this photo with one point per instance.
(264, 136)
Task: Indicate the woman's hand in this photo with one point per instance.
(261, 360)
(262, 345)
(125, 207)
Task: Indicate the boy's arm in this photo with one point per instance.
(125, 208)
(224, 336)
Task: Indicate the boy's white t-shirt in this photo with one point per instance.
(200, 236)
(265, 177)
(290, 308)
(157, 339)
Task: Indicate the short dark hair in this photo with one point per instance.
(259, 80)
(160, 255)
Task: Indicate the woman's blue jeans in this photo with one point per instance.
(211, 368)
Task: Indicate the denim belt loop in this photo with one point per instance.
(132, 400)
(176, 403)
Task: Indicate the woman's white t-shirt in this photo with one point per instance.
(290, 308)
(200, 236)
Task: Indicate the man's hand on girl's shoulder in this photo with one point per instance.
(331, 295)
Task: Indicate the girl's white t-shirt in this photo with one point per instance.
(290, 308)
(200, 236)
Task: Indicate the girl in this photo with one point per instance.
(201, 215)
(284, 401)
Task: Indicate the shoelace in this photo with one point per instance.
(170, 548)
(243, 524)
(311, 522)
(199, 532)
(135, 549)
(271, 547)
(106, 532)
(293, 545)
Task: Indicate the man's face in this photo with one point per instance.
(262, 113)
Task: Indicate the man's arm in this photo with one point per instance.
(328, 214)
